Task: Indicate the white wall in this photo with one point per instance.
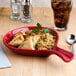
(46, 3)
(36, 3)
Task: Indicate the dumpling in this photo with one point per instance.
(17, 39)
(30, 42)
(27, 44)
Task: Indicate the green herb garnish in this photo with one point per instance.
(46, 30)
(35, 30)
(39, 25)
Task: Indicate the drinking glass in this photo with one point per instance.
(61, 10)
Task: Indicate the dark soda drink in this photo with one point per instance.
(61, 9)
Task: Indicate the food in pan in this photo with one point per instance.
(36, 39)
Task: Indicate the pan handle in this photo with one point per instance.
(65, 55)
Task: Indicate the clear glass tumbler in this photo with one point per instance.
(61, 9)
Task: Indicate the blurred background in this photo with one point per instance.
(35, 3)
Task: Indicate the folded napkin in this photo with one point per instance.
(4, 62)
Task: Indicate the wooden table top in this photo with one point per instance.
(37, 66)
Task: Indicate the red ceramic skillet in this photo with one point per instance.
(63, 54)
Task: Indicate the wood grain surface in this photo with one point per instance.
(37, 66)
